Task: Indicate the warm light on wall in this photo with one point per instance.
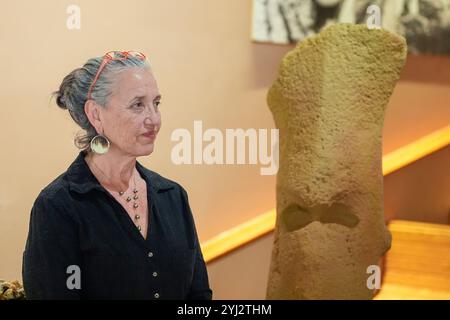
(238, 236)
(416, 150)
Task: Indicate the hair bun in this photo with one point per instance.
(60, 100)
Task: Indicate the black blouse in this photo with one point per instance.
(78, 229)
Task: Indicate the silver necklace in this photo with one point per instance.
(134, 197)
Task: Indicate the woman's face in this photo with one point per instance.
(132, 111)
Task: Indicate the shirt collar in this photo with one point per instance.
(82, 180)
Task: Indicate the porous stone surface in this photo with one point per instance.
(329, 102)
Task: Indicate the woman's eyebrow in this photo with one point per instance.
(137, 97)
(140, 97)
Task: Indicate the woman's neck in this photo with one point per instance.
(114, 170)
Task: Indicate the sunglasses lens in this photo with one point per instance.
(121, 55)
(136, 54)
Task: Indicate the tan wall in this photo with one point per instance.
(420, 191)
(207, 69)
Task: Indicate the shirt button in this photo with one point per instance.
(156, 295)
(155, 274)
(150, 254)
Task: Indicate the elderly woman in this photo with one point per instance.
(109, 228)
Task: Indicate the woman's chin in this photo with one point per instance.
(145, 150)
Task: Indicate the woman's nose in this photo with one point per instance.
(151, 112)
(152, 117)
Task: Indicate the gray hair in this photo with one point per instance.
(73, 91)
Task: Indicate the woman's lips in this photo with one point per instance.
(150, 135)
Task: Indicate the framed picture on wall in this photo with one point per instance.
(424, 23)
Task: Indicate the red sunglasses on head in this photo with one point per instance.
(114, 55)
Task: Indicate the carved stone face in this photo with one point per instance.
(295, 217)
(328, 103)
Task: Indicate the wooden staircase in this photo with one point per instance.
(418, 264)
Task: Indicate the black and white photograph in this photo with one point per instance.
(424, 23)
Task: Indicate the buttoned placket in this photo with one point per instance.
(150, 256)
(144, 243)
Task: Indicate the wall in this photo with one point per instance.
(207, 69)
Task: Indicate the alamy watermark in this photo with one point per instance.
(220, 147)
(374, 19)
(73, 21)
(74, 279)
(374, 280)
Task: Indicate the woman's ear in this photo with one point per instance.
(93, 111)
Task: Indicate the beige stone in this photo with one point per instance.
(329, 103)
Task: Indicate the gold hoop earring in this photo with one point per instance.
(100, 144)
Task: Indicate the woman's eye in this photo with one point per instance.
(139, 105)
